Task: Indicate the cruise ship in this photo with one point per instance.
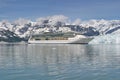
(68, 38)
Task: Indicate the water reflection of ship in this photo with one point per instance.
(48, 54)
(55, 59)
(60, 53)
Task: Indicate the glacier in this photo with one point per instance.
(106, 39)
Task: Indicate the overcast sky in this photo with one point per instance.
(83, 9)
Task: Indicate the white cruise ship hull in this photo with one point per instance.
(70, 41)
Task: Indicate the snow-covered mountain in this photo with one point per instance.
(23, 28)
(8, 36)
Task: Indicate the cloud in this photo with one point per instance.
(22, 21)
(53, 19)
(77, 22)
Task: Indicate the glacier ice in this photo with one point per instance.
(106, 39)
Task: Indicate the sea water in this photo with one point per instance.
(59, 62)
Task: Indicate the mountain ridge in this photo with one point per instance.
(23, 28)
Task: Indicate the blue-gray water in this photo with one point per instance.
(59, 62)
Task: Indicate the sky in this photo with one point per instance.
(73, 9)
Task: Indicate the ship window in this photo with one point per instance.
(37, 39)
(46, 38)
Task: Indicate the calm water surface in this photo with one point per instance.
(59, 62)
